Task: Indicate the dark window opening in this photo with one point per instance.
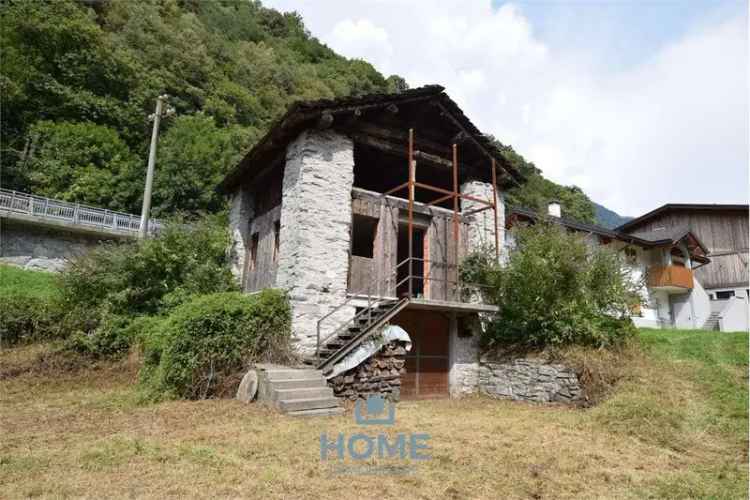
(725, 295)
(377, 171)
(253, 251)
(465, 327)
(363, 235)
(276, 239)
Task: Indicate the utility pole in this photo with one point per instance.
(156, 117)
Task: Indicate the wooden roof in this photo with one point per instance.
(672, 207)
(646, 239)
(437, 120)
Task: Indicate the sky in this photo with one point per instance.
(639, 103)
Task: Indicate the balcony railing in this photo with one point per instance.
(81, 215)
(670, 277)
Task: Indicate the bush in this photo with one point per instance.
(103, 290)
(27, 319)
(210, 339)
(556, 290)
(150, 276)
(112, 336)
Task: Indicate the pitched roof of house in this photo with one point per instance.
(304, 114)
(666, 236)
(645, 239)
(678, 206)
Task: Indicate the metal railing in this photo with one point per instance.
(75, 213)
(383, 280)
(463, 292)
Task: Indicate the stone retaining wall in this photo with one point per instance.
(41, 249)
(529, 379)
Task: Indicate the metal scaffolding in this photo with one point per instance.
(411, 184)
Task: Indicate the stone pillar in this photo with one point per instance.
(481, 231)
(463, 377)
(316, 215)
(241, 214)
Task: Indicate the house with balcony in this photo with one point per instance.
(667, 261)
(361, 209)
(724, 231)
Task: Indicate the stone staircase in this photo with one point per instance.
(301, 392)
(712, 323)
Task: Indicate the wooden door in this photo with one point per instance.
(427, 363)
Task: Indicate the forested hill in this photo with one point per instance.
(608, 218)
(78, 80)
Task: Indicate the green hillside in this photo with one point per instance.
(79, 78)
(608, 218)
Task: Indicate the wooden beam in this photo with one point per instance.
(400, 138)
(398, 150)
(473, 139)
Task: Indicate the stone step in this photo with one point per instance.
(290, 374)
(317, 412)
(302, 393)
(307, 404)
(299, 383)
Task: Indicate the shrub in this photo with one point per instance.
(150, 276)
(105, 289)
(27, 319)
(556, 290)
(211, 338)
(112, 336)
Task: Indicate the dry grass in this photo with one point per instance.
(83, 434)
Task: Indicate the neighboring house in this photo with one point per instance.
(669, 260)
(327, 207)
(724, 231)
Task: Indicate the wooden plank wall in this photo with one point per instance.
(264, 274)
(439, 245)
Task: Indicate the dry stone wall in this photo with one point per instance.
(529, 379)
(316, 215)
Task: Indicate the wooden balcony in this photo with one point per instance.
(675, 278)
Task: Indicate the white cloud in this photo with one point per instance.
(353, 38)
(672, 128)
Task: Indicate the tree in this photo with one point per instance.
(556, 290)
(194, 155)
(83, 162)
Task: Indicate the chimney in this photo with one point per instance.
(553, 209)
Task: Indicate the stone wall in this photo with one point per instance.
(529, 379)
(481, 224)
(380, 374)
(240, 217)
(314, 238)
(40, 248)
(463, 377)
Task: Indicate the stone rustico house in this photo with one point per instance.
(361, 209)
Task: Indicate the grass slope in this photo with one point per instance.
(19, 282)
(676, 427)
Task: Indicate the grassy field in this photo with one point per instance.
(676, 427)
(17, 281)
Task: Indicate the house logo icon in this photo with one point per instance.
(375, 410)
